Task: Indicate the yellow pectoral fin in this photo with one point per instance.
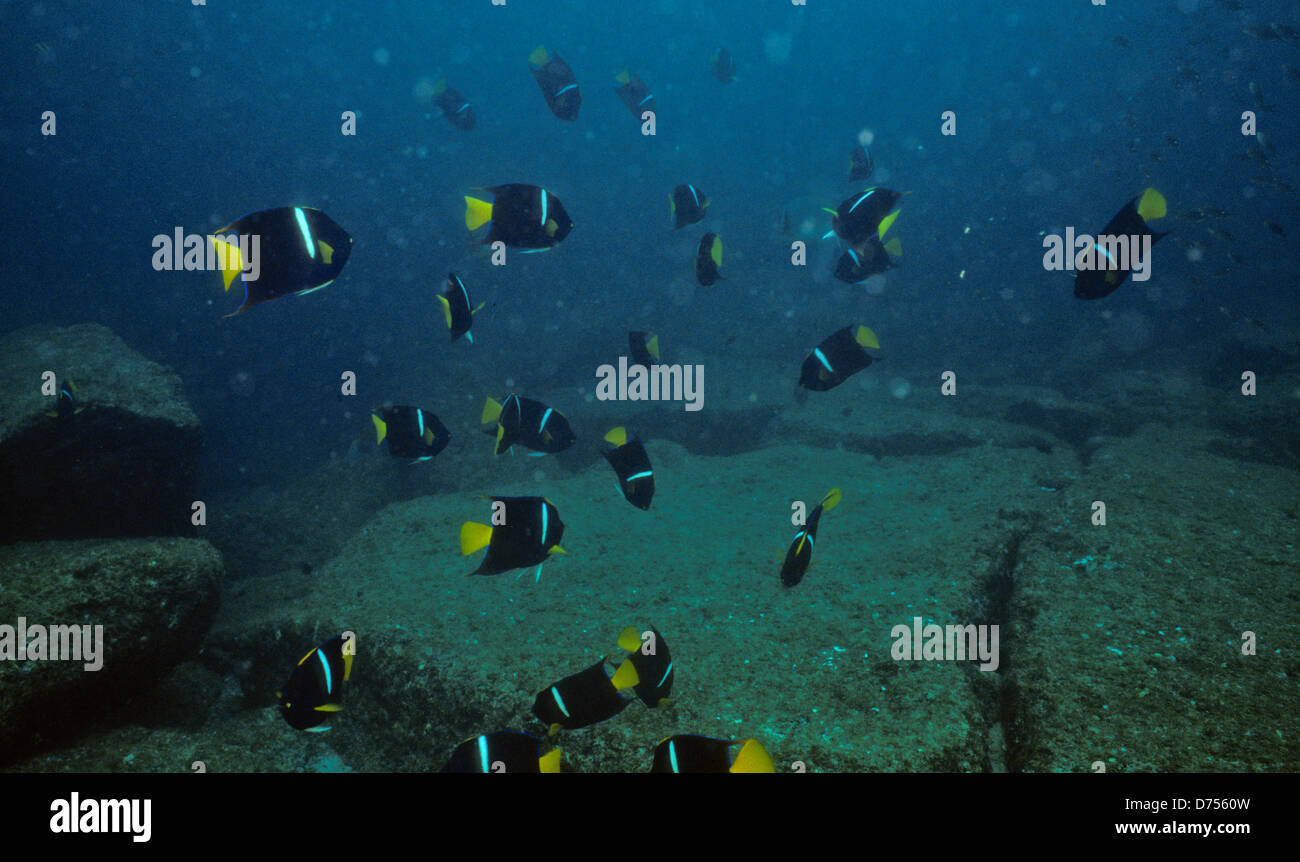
(491, 410)
(835, 213)
(894, 247)
(716, 253)
(556, 549)
(753, 758)
(381, 429)
(477, 213)
(550, 761)
(1152, 205)
(626, 676)
(886, 223)
(866, 338)
(552, 226)
(230, 259)
(832, 499)
(629, 639)
(446, 309)
(653, 346)
(474, 537)
(501, 433)
(326, 251)
(428, 436)
(329, 707)
(617, 436)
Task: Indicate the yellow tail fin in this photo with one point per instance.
(716, 253)
(381, 429)
(230, 259)
(473, 537)
(623, 77)
(866, 337)
(653, 346)
(539, 56)
(491, 411)
(832, 499)
(1152, 205)
(886, 223)
(446, 309)
(626, 676)
(550, 761)
(629, 639)
(477, 213)
(753, 758)
(617, 436)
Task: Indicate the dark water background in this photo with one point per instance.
(170, 114)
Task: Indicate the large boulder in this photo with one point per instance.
(155, 599)
(124, 464)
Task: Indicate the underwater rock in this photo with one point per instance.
(121, 460)
(154, 599)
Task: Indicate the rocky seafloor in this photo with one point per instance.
(1120, 644)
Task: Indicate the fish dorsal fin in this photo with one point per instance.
(653, 346)
(446, 309)
(381, 429)
(230, 258)
(1152, 205)
(886, 223)
(752, 758)
(832, 499)
(491, 411)
(474, 537)
(629, 639)
(866, 338)
(626, 676)
(617, 436)
(716, 252)
(539, 56)
(477, 213)
(326, 251)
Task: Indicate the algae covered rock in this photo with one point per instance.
(97, 621)
(121, 461)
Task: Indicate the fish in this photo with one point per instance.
(66, 405)
(840, 356)
(523, 216)
(689, 752)
(314, 691)
(708, 259)
(799, 556)
(686, 206)
(653, 663)
(301, 250)
(454, 106)
(559, 86)
(722, 67)
(861, 165)
(634, 93)
(523, 420)
(1129, 221)
(867, 214)
(592, 695)
(856, 267)
(644, 347)
(456, 308)
(631, 464)
(503, 751)
(411, 432)
(529, 533)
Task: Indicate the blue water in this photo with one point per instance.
(174, 115)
